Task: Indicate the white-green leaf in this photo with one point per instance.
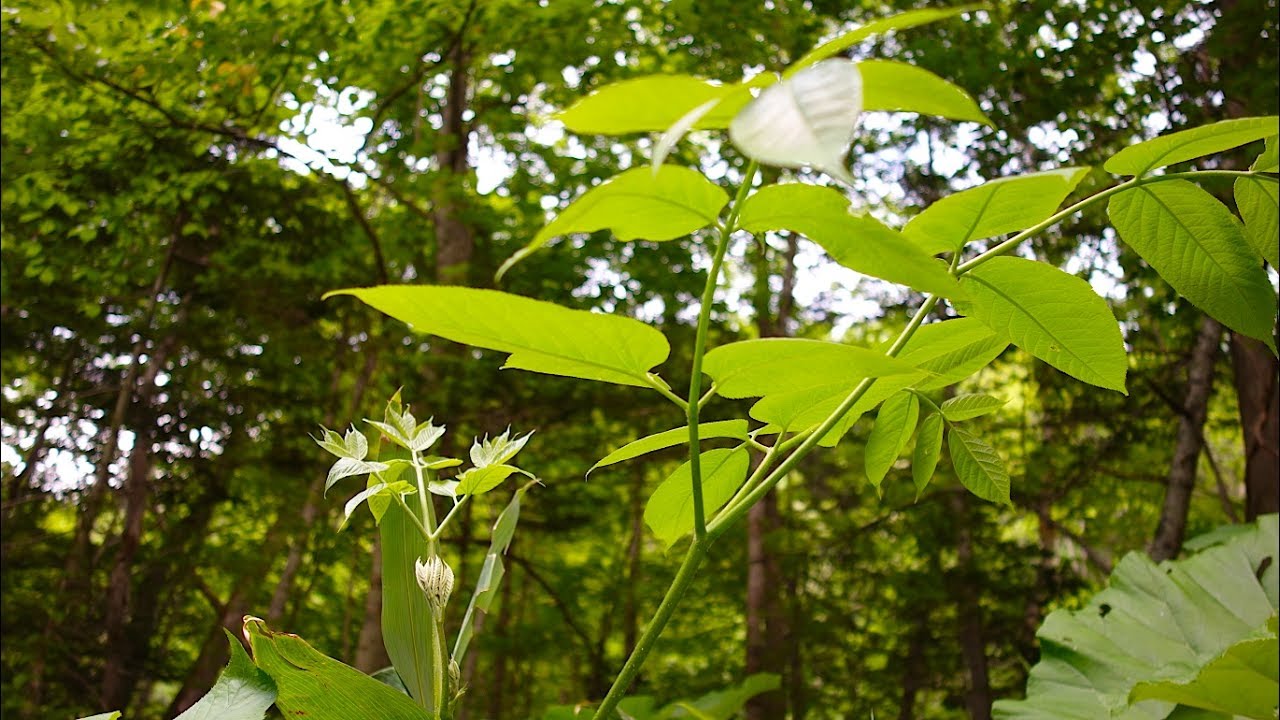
(499, 450)
(358, 498)
(993, 208)
(653, 104)
(901, 21)
(672, 136)
(1259, 204)
(859, 243)
(924, 460)
(1055, 316)
(1190, 144)
(1196, 244)
(966, 407)
(753, 368)
(491, 572)
(669, 512)
(978, 466)
(1269, 160)
(541, 336)
(347, 467)
(807, 119)
(483, 479)
(242, 691)
(670, 438)
(895, 86)
(895, 423)
(639, 204)
(375, 489)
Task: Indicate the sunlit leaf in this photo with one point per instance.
(242, 692)
(969, 406)
(670, 438)
(669, 512)
(901, 21)
(924, 460)
(1259, 205)
(895, 424)
(653, 103)
(752, 368)
(483, 479)
(978, 466)
(895, 86)
(1190, 144)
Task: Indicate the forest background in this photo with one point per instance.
(183, 181)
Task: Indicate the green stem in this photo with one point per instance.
(428, 508)
(452, 511)
(683, 579)
(771, 454)
(700, 347)
(414, 517)
(656, 383)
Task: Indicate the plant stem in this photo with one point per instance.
(683, 579)
(700, 347)
(456, 507)
(413, 516)
(428, 509)
(657, 384)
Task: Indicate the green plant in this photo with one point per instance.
(809, 392)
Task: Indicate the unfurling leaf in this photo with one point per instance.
(807, 119)
(498, 450)
(347, 467)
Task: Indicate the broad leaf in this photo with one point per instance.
(895, 424)
(407, 628)
(1190, 144)
(242, 692)
(901, 21)
(753, 368)
(722, 704)
(807, 119)
(950, 351)
(541, 336)
(638, 204)
(483, 479)
(895, 86)
(1269, 160)
(993, 208)
(653, 104)
(491, 572)
(966, 407)
(1259, 205)
(1199, 248)
(859, 243)
(670, 438)
(669, 512)
(318, 687)
(1239, 682)
(978, 466)
(1055, 316)
(1164, 624)
(924, 460)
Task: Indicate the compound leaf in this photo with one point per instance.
(1190, 144)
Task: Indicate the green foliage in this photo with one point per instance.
(736, 429)
(1198, 632)
(889, 85)
(243, 691)
(1190, 144)
(895, 424)
(669, 512)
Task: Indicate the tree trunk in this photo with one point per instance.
(913, 670)
(371, 653)
(1189, 443)
(965, 590)
(1258, 394)
(455, 242)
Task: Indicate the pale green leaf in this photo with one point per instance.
(895, 86)
(483, 479)
(541, 336)
(901, 21)
(670, 438)
(407, 627)
(1269, 160)
(859, 243)
(319, 687)
(242, 691)
(753, 368)
(113, 715)
(1242, 681)
(807, 119)
(491, 572)
(895, 423)
(1190, 144)
(672, 136)
(993, 208)
(669, 512)
(1259, 205)
(928, 448)
(499, 450)
(1055, 316)
(1199, 248)
(639, 204)
(347, 467)
(653, 104)
(358, 498)
(966, 407)
(978, 466)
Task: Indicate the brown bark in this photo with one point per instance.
(455, 241)
(913, 670)
(1188, 443)
(965, 590)
(371, 653)
(1258, 394)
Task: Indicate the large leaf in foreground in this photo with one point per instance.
(407, 629)
(1163, 623)
(242, 692)
(653, 103)
(1199, 248)
(895, 86)
(1053, 315)
(541, 336)
(823, 215)
(753, 368)
(1259, 203)
(993, 208)
(317, 687)
(638, 204)
(669, 512)
(1190, 144)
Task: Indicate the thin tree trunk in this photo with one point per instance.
(455, 242)
(914, 669)
(965, 591)
(1188, 444)
(371, 653)
(1258, 395)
